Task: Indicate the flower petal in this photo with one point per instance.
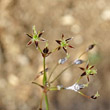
(67, 40)
(62, 36)
(83, 74)
(29, 43)
(82, 68)
(42, 39)
(91, 67)
(29, 36)
(36, 43)
(64, 49)
(59, 48)
(40, 34)
(70, 46)
(87, 66)
(58, 41)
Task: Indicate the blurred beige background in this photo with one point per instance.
(87, 21)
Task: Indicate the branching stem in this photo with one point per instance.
(61, 73)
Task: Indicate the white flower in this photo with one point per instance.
(62, 61)
(76, 87)
(78, 61)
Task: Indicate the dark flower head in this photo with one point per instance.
(64, 43)
(35, 37)
(46, 51)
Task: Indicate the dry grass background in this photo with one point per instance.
(85, 20)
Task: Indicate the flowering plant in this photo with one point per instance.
(47, 83)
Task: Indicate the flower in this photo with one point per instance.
(35, 37)
(76, 87)
(62, 60)
(88, 70)
(64, 43)
(78, 61)
(46, 52)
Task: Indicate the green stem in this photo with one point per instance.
(84, 95)
(55, 89)
(55, 50)
(82, 54)
(52, 71)
(79, 79)
(39, 49)
(46, 101)
(61, 73)
(44, 76)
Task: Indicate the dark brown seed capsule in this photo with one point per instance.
(45, 50)
(93, 97)
(90, 47)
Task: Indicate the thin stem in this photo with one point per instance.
(56, 88)
(79, 79)
(38, 84)
(53, 89)
(41, 101)
(84, 95)
(61, 73)
(55, 50)
(39, 49)
(44, 76)
(52, 71)
(46, 101)
(82, 54)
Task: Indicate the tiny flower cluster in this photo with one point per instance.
(47, 82)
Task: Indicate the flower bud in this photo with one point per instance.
(91, 47)
(62, 61)
(78, 61)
